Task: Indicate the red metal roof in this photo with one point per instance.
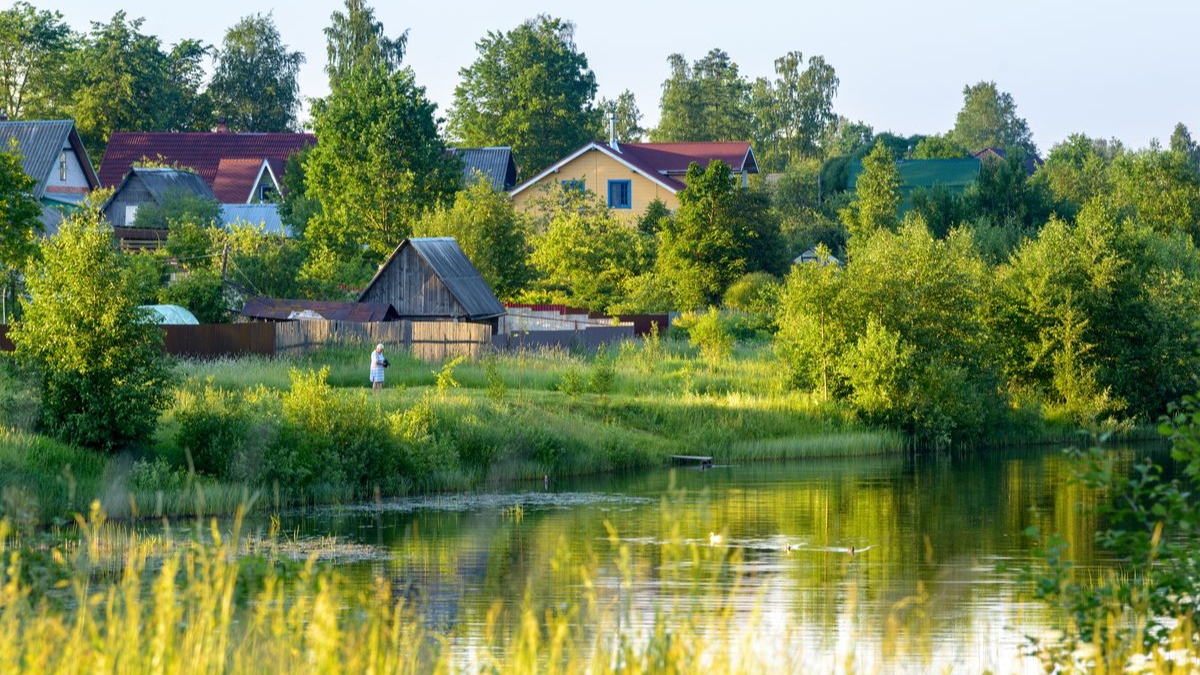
(205, 152)
(674, 158)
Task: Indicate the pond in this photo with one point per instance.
(933, 581)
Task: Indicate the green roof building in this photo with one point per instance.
(954, 174)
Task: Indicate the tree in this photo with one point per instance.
(1004, 194)
(123, 80)
(719, 233)
(178, 207)
(296, 208)
(530, 89)
(20, 224)
(99, 359)
(629, 119)
(490, 231)
(1075, 172)
(988, 119)
(1182, 143)
(793, 112)
(254, 86)
(355, 41)
(379, 165)
(940, 146)
(877, 195)
(35, 46)
(584, 253)
(1160, 188)
(705, 101)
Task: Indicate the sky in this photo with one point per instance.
(1101, 67)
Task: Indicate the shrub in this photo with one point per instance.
(754, 293)
(213, 426)
(708, 333)
(604, 372)
(571, 383)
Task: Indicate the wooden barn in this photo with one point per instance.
(431, 279)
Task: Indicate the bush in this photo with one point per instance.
(201, 293)
(754, 293)
(708, 333)
(213, 426)
(604, 372)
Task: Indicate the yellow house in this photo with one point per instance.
(632, 175)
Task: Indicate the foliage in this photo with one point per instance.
(260, 262)
(178, 207)
(1004, 194)
(988, 119)
(876, 196)
(604, 372)
(102, 375)
(586, 252)
(490, 230)
(1075, 172)
(941, 146)
(213, 425)
(201, 292)
(943, 210)
(147, 273)
(719, 233)
(1161, 189)
(20, 225)
(754, 293)
(35, 47)
(792, 113)
(254, 85)
(707, 332)
(296, 207)
(123, 79)
(650, 222)
(529, 89)
(355, 42)
(704, 101)
(628, 118)
(379, 164)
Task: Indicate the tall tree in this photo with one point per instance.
(355, 40)
(379, 164)
(704, 101)
(877, 195)
(793, 112)
(988, 119)
(19, 225)
(254, 86)
(1182, 143)
(123, 80)
(629, 119)
(530, 89)
(35, 46)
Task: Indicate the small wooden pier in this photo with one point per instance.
(704, 462)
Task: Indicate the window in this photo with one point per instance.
(572, 186)
(266, 193)
(620, 194)
(62, 165)
(130, 214)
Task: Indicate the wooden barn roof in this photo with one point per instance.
(275, 309)
(455, 270)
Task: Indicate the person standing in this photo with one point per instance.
(377, 365)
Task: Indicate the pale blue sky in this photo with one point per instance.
(1106, 68)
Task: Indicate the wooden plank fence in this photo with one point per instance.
(427, 340)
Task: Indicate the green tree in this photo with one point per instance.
(584, 253)
(260, 262)
(177, 207)
(876, 195)
(123, 80)
(35, 46)
(102, 373)
(1160, 188)
(793, 112)
(719, 233)
(254, 86)
(490, 231)
(1182, 143)
(1075, 172)
(988, 119)
(704, 101)
(297, 208)
(629, 118)
(355, 41)
(811, 334)
(530, 89)
(379, 165)
(20, 225)
(940, 146)
(1004, 194)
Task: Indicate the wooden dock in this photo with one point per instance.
(704, 462)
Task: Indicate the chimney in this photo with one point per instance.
(222, 127)
(612, 133)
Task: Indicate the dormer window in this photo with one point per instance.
(62, 165)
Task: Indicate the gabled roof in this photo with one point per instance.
(452, 266)
(161, 182)
(663, 163)
(40, 143)
(203, 152)
(275, 309)
(1032, 162)
(495, 164)
(236, 179)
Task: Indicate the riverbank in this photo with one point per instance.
(305, 430)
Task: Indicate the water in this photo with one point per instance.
(940, 539)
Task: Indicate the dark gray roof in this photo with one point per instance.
(161, 182)
(276, 309)
(40, 143)
(52, 217)
(455, 270)
(495, 164)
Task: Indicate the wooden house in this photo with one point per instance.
(53, 155)
(431, 279)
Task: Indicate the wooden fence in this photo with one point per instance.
(215, 340)
(427, 340)
(6, 344)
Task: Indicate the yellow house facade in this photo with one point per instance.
(629, 176)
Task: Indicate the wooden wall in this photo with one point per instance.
(135, 192)
(427, 340)
(595, 169)
(411, 286)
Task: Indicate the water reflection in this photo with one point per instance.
(930, 533)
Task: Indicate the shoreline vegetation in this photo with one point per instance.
(304, 430)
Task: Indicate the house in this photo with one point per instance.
(237, 168)
(812, 255)
(955, 175)
(495, 165)
(632, 175)
(53, 155)
(1032, 162)
(431, 279)
(272, 309)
